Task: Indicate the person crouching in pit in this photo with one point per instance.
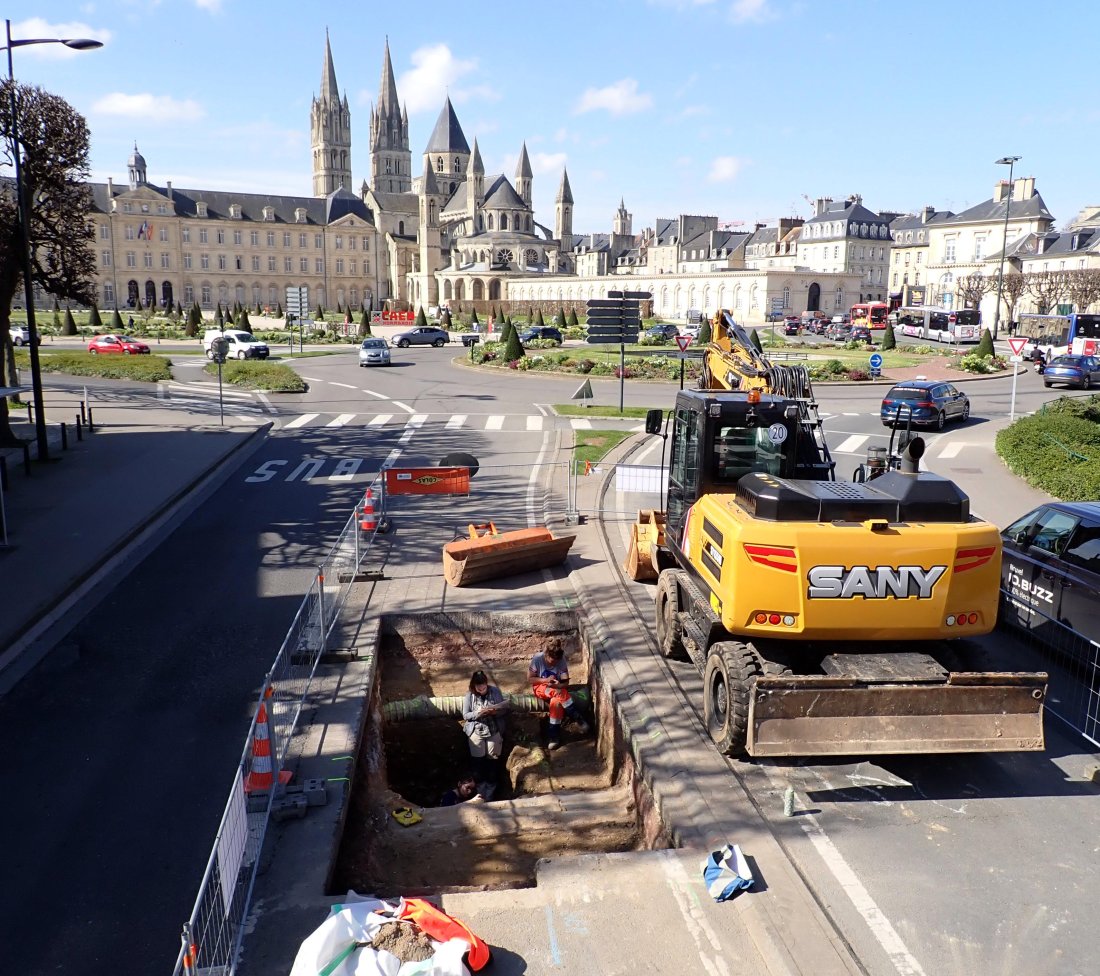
(549, 677)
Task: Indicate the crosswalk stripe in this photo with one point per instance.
(341, 420)
(581, 424)
(534, 423)
(381, 420)
(852, 444)
(301, 421)
(456, 421)
(417, 420)
(952, 450)
(494, 423)
(205, 389)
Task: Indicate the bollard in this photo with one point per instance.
(83, 416)
(788, 802)
(79, 429)
(64, 437)
(27, 459)
(91, 426)
(4, 473)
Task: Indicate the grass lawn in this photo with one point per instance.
(593, 445)
(573, 410)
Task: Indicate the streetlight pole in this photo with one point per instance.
(78, 44)
(1008, 161)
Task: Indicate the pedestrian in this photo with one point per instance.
(130, 323)
(466, 789)
(484, 710)
(549, 677)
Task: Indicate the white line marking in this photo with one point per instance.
(952, 450)
(456, 421)
(852, 444)
(312, 379)
(580, 424)
(346, 386)
(846, 414)
(403, 406)
(534, 423)
(266, 401)
(411, 427)
(209, 389)
(300, 421)
(494, 423)
(341, 420)
(417, 419)
(380, 420)
(379, 396)
(391, 458)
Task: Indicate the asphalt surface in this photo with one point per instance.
(190, 620)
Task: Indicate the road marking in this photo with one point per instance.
(494, 423)
(341, 420)
(268, 405)
(300, 421)
(581, 424)
(534, 423)
(379, 396)
(403, 406)
(456, 421)
(312, 379)
(346, 386)
(411, 427)
(380, 420)
(847, 414)
(952, 450)
(850, 445)
(391, 458)
(209, 389)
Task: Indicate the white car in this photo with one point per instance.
(21, 336)
(242, 345)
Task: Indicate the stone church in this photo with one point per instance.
(449, 231)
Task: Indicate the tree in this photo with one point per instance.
(242, 320)
(970, 289)
(1013, 286)
(559, 319)
(219, 319)
(364, 324)
(754, 338)
(421, 318)
(319, 315)
(1046, 287)
(116, 321)
(68, 327)
(194, 319)
(445, 319)
(985, 344)
(889, 340)
(513, 348)
(56, 315)
(278, 310)
(573, 323)
(704, 332)
(93, 318)
(473, 318)
(539, 320)
(1083, 287)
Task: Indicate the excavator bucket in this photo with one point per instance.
(647, 535)
(823, 715)
(485, 557)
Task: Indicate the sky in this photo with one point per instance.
(741, 109)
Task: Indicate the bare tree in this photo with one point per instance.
(1013, 287)
(53, 147)
(1083, 287)
(1046, 287)
(972, 288)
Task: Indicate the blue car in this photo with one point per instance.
(1072, 370)
(930, 403)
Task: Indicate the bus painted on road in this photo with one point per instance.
(870, 314)
(1057, 335)
(941, 324)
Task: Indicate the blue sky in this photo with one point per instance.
(737, 108)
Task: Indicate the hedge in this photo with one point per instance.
(253, 375)
(146, 369)
(1058, 449)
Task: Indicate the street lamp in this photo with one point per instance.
(1008, 161)
(77, 44)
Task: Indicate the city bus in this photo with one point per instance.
(870, 314)
(1056, 335)
(941, 324)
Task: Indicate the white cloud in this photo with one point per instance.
(724, 169)
(40, 27)
(691, 111)
(751, 11)
(621, 98)
(547, 162)
(436, 72)
(214, 6)
(149, 108)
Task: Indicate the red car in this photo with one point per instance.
(119, 344)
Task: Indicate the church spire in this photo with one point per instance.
(330, 132)
(524, 176)
(329, 89)
(565, 194)
(388, 106)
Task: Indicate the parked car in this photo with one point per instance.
(122, 345)
(860, 333)
(844, 319)
(374, 352)
(543, 332)
(663, 330)
(1080, 371)
(1050, 571)
(424, 335)
(792, 326)
(242, 345)
(21, 336)
(839, 331)
(931, 402)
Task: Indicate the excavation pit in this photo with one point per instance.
(583, 798)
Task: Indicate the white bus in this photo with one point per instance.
(941, 324)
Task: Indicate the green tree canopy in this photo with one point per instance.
(889, 340)
(513, 348)
(985, 344)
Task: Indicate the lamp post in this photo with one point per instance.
(1008, 161)
(77, 44)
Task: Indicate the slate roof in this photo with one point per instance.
(844, 210)
(990, 211)
(502, 195)
(565, 194)
(913, 222)
(447, 136)
(387, 87)
(523, 167)
(329, 89)
(665, 229)
(398, 202)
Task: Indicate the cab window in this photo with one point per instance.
(1083, 549)
(1052, 531)
(739, 450)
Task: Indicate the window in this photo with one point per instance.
(271, 262)
(106, 259)
(129, 233)
(836, 251)
(318, 241)
(238, 263)
(254, 238)
(286, 239)
(979, 248)
(255, 262)
(319, 264)
(288, 265)
(271, 238)
(185, 235)
(366, 266)
(162, 208)
(127, 208)
(131, 259)
(163, 234)
(366, 243)
(786, 297)
(221, 236)
(108, 294)
(839, 300)
(352, 266)
(895, 280)
(204, 261)
(187, 262)
(200, 209)
(104, 232)
(351, 243)
(301, 240)
(340, 266)
(203, 237)
(164, 262)
(221, 262)
(920, 256)
(303, 265)
(205, 294)
(339, 243)
(949, 250)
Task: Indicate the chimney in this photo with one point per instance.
(821, 204)
(926, 214)
(1000, 191)
(1023, 189)
(110, 188)
(168, 185)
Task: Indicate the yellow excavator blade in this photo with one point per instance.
(647, 535)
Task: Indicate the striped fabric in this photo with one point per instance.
(726, 872)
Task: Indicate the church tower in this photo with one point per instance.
(430, 237)
(448, 153)
(330, 129)
(563, 214)
(390, 158)
(621, 225)
(523, 176)
(475, 187)
(136, 166)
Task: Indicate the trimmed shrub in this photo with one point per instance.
(260, 375)
(242, 320)
(144, 369)
(94, 319)
(539, 320)
(116, 321)
(1058, 449)
(421, 318)
(985, 344)
(889, 340)
(513, 348)
(704, 332)
(573, 323)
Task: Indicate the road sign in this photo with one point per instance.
(609, 328)
(683, 341)
(636, 295)
(1015, 359)
(584, 392)
(297, 300)
(616, 339)
(630, 321)
(594, 303)
(876, 361)
(1017, 344)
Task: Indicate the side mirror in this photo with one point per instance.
(653, 421)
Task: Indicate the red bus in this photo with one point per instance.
(870, 314)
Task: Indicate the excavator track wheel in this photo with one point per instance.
(728, 680)
(670, 632)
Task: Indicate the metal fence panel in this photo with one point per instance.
(633, 487)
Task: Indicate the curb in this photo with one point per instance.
(28, 646)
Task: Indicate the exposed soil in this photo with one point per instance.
(404, 940)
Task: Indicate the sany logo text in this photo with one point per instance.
(872, 583)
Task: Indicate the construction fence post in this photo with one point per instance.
(321, 607)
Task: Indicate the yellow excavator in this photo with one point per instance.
(827, 617)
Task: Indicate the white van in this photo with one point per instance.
(242, 345)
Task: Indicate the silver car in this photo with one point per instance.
(374, 352)
(422, 335)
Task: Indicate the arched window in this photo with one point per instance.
(786, 296)
(439, 165)
(458, 165)
(528, 223)
(431, 211)
(490, 224)
(503, 221)
(389, 167)
(839, 300)
(401, 227)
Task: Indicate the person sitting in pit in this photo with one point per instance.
(466, 789)
(549, 677)
(485, 712)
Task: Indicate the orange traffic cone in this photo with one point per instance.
(587, 467)
(368, 521)
(261, 777)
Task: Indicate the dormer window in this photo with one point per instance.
(235, 211)
(299, 215)
(200, 210)
(269, 213)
